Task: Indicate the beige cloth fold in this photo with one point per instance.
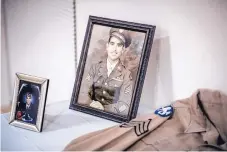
(111, 138)
(197, 123)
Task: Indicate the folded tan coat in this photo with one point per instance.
(197, 123)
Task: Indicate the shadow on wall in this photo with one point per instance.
(158, 87)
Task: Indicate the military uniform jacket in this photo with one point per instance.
(195, 123)
(113, 92)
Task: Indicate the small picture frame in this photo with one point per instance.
(112, 68)
(29, 100)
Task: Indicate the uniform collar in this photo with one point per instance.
(111, 66)
(198, 120)
(191, 115)
(214, 107)
(117, 71)
(28, 106)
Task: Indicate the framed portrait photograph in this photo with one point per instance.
(29, 100)
(112, 68)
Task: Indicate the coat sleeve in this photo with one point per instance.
(123, 104)
(86, 84)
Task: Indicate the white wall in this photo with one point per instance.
(40, 42)
(189, 50)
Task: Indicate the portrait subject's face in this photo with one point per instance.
(114, 48)
(28, 100)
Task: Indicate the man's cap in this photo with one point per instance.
(29, 95)
(121, 34)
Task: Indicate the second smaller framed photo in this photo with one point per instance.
(29, 102)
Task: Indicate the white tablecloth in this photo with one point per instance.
(61, 125)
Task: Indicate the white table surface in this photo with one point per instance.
(61, 125)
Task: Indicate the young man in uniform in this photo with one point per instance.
(28, 111)
(110, 83)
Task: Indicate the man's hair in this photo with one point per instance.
(117, 38)
(28, 96)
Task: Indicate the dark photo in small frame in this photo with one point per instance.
(112, 68)
(29, 102)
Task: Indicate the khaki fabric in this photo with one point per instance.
(197, 123)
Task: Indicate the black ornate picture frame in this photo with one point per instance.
(112, 68)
